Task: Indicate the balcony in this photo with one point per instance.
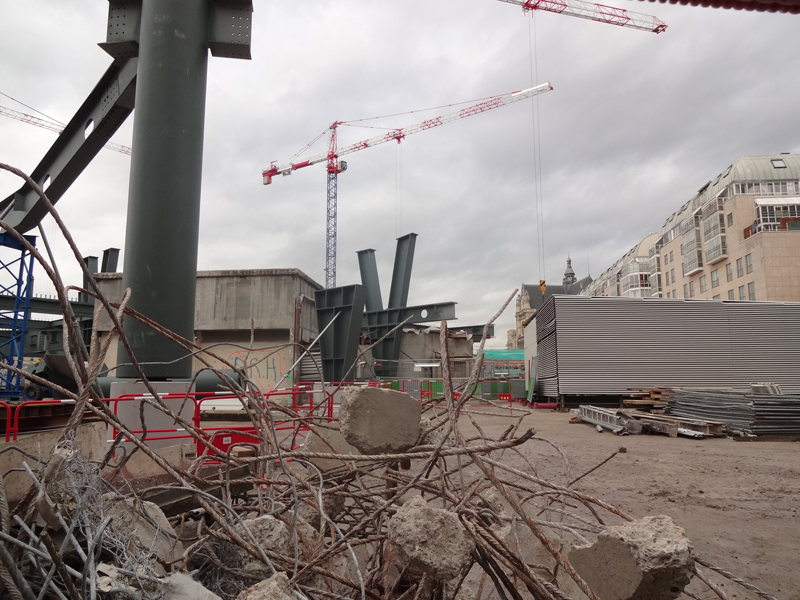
(716, 250)
(691, 241)
(711, 207)
(692, 263)
(689, 224)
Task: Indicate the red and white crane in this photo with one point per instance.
(595, 12)
(31, 120)
(335, 166)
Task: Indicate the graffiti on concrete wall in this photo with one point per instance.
(265, 367)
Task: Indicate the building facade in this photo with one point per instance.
(738, 238)
(531, 298)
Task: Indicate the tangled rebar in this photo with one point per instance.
(84, 531)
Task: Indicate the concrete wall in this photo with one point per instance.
(229, 304)
(91, 438)
(270, 357)
(422, 346)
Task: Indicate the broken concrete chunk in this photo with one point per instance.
(275, 535)
(180, 586)
(647, 559)
(427, 435)
(431, 539)
(315, 443)
(274, 588)
(378, 421)
(144, 523)
(332, 504)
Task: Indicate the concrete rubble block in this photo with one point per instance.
(180, 586)
(431, 539)
(144, 524)
(332, 504)
(316, 442)
(378, 421)
(276, 536)
(428, 437)
(647, 559)
(274, 588)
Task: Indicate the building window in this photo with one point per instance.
(730, 294)
(729, 271)
(739, 267)
(715, 278)
(730, 219)
(741, 293)
(703, 284)
(671, 258)
(685, 291)
(673, 275)
(749, 262)
(751, 291)
(778, 163)
(665, 260)
(715, 297)
(691, 289)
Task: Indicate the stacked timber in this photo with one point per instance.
(646, 398)
(743, 412)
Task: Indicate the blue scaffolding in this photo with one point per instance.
(16, 284)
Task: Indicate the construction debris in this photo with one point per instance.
(743, 412)
(431, 539)
(612, 420)
(235, 522)
(275, 588)
(377, 420)
(648, 559)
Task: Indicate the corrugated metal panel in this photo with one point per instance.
(608, 345)
(311, 367)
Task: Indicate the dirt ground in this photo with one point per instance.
(737, 501)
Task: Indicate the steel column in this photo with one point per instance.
(401, 275)
(164, 193)
(369, 278)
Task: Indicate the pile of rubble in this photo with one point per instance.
(392, 502)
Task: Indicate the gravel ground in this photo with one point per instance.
(737, 501)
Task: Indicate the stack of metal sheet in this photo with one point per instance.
(743, 412)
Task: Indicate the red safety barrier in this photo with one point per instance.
(8, 420)
(545, 405)
(222, 438)
(18, 409)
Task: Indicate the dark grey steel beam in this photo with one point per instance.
(164, 193)
(369, 278)
(50, 306)
(425, 313)
(401, 275)
(105, 109)
(110, 260)
(91, 266)
(476, 331)
(339, 344)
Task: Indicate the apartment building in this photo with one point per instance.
(737, 239)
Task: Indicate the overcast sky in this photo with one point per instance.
(637, 122)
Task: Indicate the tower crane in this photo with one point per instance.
(335, 166)
(594, 12)
(25, 118)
